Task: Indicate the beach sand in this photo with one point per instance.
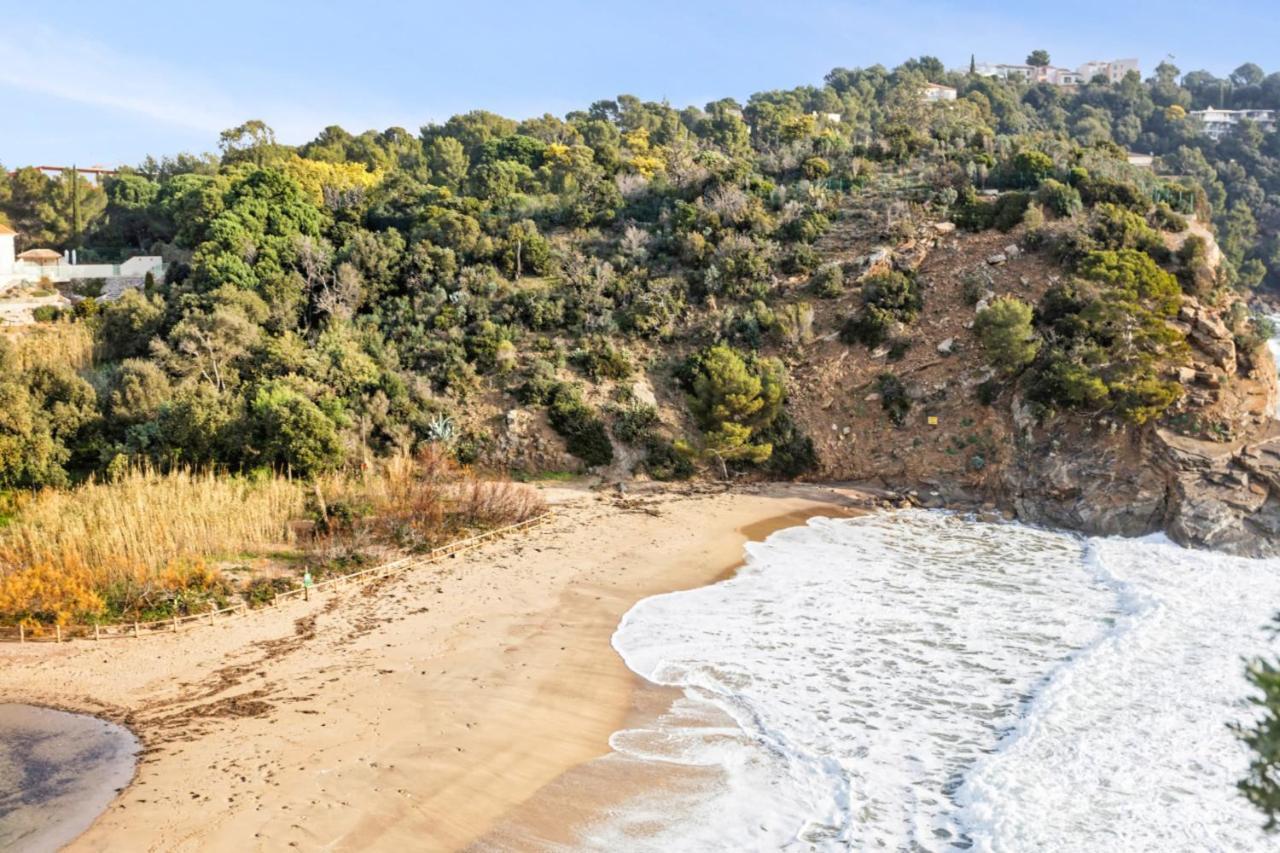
(420, 712)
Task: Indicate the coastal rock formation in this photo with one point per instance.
(1219, 489)
(1207, 474)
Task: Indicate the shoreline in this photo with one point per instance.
(422, 714)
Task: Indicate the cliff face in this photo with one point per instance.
(1213, 482)
(1208, 474)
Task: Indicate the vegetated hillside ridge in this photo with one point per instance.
(982, 298)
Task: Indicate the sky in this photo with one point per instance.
(92, 83)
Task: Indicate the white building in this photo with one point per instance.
(38, 265)
(938, 92)
(7, 257)
(1050, 74)
(1113, 70)
(1218, 123)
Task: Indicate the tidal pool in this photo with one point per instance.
(58, 771)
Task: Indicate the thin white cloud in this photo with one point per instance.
(103, 76)
(45, 61)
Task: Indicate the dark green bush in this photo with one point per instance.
(1166, 218)
(893, 397)
(584, 433)
(1062, 199)
(633, 423)
(793, 451)
(1009, 210)
(663, 461)
(600, 359)
(887, 298)
(828, 281)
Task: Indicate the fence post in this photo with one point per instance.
(57, 627)
(22, 632)
(135, 628)
(95, 631)
(175, 621)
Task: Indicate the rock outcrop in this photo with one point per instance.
(1214, 484)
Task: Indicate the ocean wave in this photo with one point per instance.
(925, 681)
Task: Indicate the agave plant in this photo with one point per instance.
(441, 428)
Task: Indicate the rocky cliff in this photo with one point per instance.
(1208, 473)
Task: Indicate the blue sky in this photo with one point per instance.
(94, 83)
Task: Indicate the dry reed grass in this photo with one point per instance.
(142, 543)
(149, 519)
(418, 502)
(69, 344)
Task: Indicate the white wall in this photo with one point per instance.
(6, 254)
(134, 268)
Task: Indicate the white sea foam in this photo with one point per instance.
(924, 681)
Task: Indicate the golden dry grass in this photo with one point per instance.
(149, 519)
(143, 543)
(69, 344)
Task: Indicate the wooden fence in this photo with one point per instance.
(404, 564)
(116, 630)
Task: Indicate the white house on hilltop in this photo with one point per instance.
(1218, 123)
(1114, 71)
(938, 92)
(47, 265)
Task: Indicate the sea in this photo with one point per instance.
(928, 681)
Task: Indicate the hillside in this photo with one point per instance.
(980, 299)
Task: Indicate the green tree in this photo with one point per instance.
(448, 162)
(291, 432)
(127, 325)
(732, 400)
(1038, 58)
(1004, 328)
(1262, 785)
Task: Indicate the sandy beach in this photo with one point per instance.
(416, 713)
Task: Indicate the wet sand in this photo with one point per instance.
(58, 771)
(619, 791)
(418, 713)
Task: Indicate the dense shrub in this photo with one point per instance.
(584, 433)
(1028, 169)
(828, 281)
(1005, 331)
(1165, 218)
(887, 298)
(1062, 199)
(894, 398)
(633, 423)
(600, 359)
(793, 451)
(1004, 213)
(664, 461)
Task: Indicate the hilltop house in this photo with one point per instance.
(1218, 123)
(1113, 70)
(36, 265)
(938, 92)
